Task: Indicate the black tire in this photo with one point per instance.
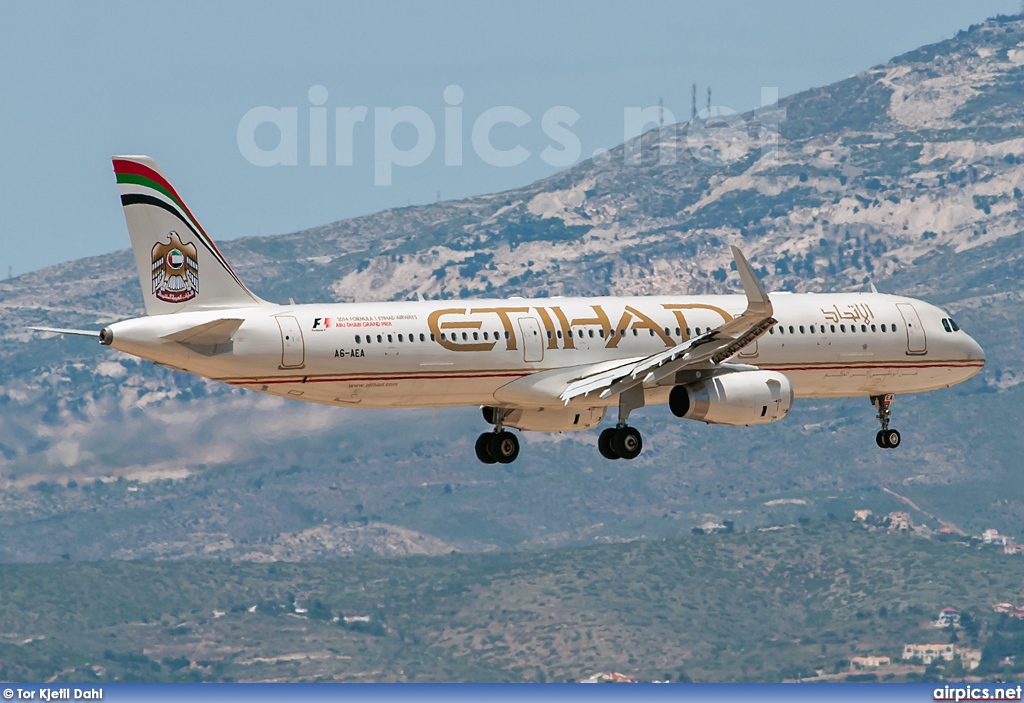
(880, 439)
(504, 447)
(483, 448)
(627, 443)
(604, 444)
(679, 401)
(892, 439)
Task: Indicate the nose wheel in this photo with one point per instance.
(886, 438)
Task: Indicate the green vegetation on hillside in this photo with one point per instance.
(757, 606)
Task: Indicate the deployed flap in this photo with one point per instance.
(208, 334)
(714, 346)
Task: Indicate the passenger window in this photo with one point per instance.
(667, 333)
(558, 334)
(883, 328)
(399, 338)
(651, 331)
(771, 330)
(635, 333)
(791, 330)
(842, 328)
(601, 332)
(506, 335)
(945, 325)
(688, 334)
(801, 329)
(549, 334)
(464, 337)
(833, 328)
(487, 335)
(357, 339)
(379, 339)
(423, 339)
(591, 333)
(952, 323)
(812, 329)
(432, 338)
(475, 336)
(678, 333)
(622, 333)
(873, 328)
(782, 330)
(389, 339)
(863, 328)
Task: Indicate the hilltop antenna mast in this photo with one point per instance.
(661, 110)
(693, 99)
(709, 101)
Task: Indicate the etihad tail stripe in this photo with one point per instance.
(141, 185)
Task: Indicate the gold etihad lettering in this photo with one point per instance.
(506, 322)
(677, 310)
(646, 323)
(433, 322)
(559, 329)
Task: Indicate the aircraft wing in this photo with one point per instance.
(715, 346)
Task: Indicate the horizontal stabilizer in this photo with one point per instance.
(62, 330)
(210, 333)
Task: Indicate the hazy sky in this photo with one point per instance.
(81, 82)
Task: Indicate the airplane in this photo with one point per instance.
(548, 365)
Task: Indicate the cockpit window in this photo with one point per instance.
(952, 323)
(945, 325)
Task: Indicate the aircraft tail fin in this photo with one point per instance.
(180, 267)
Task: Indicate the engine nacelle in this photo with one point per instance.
(740, 398)
(548, 419)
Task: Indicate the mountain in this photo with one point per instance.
(909, 175)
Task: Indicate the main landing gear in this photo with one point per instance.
(886, 438)
(499, 446)
(622, 441)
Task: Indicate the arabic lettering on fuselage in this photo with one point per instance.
(855, 312)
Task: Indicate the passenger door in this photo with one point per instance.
(293, 349)
(917, 343)
(533, 340)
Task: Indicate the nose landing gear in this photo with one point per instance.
(499, 446)
(886, 438)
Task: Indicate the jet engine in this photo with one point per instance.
(740, 398)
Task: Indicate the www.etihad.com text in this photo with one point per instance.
(978, 693)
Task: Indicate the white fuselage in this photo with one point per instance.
(464, 352)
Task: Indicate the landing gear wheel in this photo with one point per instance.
(483, 448)
(503, 446)
(627, 443)
(886, 438)
(604, 444)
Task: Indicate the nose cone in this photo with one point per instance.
(972, 350)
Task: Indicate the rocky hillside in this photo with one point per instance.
(909, 175)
